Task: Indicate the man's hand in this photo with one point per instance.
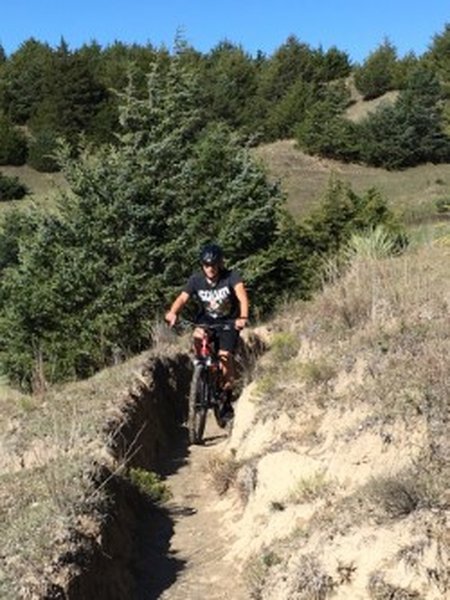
(240, 323)
(171, 318)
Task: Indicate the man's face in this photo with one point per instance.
(211, 271)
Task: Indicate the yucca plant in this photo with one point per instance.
(374, 244)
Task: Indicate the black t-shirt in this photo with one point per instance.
(217, 300)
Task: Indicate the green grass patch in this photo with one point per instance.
(151, 484)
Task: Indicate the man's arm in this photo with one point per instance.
(244, 305)
(177, 306)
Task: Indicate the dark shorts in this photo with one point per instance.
(227, 338)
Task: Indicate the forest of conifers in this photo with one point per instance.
(297, 92)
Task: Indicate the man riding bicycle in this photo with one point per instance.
(222, 297)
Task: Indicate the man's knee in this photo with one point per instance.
(225, 356)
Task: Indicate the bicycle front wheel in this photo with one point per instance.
(198, 405)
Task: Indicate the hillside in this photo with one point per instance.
(333, 484)
(334, 481)
(341, 450)
(412, 193)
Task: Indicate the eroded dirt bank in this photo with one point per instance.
(74, 524)
(120, 551)
(131, 548)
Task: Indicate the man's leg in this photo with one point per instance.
(227, 367)
(198, 336)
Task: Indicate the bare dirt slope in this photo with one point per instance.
(340, 445)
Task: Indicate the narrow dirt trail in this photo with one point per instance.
(199, 540)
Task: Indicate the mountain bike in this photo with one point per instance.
(206, 391)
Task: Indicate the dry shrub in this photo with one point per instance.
(345, 572)
(303, 578)
(267, 383)
(246, 479)
(223, 471)
(411, 554)
(392, 497)
(308, 489)
(284, 346)
(424, 485)
(379, 589)
(250, 348)
(162, 336)
(255, 574)
(435, 541)
(316, 371)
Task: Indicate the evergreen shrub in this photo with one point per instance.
(13, 143)
(41, 153)
(11, 188)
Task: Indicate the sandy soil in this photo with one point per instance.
(201, 537)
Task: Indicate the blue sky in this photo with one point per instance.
(354, 26)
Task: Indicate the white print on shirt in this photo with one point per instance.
(215, 299)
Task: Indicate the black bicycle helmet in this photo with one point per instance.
(211, 254)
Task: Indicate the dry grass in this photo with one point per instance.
(50, 445)
(302, 578)
(395, 497)
(308, 489)
(360, 108)
(38, 508)
(379, 589)
(43, 187)
(390, 316)
(376, 341)
(223, 472)
(413, 192)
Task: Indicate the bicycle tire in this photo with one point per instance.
(198, 405)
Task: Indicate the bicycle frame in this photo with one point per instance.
(206, 389)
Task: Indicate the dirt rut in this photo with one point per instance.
(200, 539)
(136, 549)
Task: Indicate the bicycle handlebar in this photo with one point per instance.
(222, 325)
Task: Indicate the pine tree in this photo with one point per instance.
(324, 130)
(72, 95)
(13, 143)
(24, 76)
(438, 58)
(377, 74)
(411, 131)
(228, 84)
